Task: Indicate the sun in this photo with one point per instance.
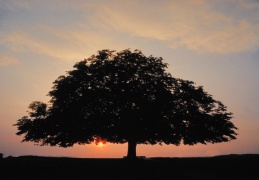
(100, 142)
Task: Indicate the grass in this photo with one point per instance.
(219, 167)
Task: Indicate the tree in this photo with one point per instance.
(126, 97)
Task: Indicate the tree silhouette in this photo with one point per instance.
(125, 97)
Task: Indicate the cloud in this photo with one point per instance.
(58, 48)
(70, 31)
(196, 25)
(231, 39)
(61, 43)
(7, 60)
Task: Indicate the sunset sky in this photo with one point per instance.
(213, 43)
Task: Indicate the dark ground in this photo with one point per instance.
(220, 167)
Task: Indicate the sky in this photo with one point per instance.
(213, 43)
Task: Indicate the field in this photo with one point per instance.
(219, 167)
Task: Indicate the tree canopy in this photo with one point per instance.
(126, 97)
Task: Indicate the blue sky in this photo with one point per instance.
(213, 43)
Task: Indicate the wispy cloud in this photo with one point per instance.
(76, 32)
(59, 42)
(192, 24)
(7, 60)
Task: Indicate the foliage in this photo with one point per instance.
(126, 96)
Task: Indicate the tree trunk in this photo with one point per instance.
(132, 150)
